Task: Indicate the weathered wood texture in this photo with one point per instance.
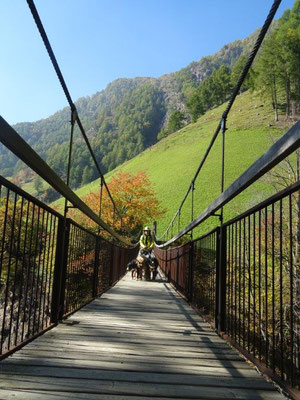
(138, 341)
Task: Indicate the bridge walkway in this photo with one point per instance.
(139, 341)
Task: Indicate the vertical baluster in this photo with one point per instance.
(240, 280)
(259, 285)
(7, 286)
(273, 289)
(37, 284)
(291, 273)
(46, 307)
(249, 283)
(266, 288)
(281, 290)
(235, 278)
(14, 290)
(244, 281)
(22, 298)
(254, 283)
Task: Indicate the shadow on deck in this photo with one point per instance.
(140, 340)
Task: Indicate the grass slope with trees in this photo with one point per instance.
(171, 163)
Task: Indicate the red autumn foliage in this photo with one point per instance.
(134, 197)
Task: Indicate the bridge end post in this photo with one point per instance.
(56, 287)
(59, 284)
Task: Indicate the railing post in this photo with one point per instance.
(96, 267)
(111, 264)
(119, 262)
(220, 306)
(168, 266)
(191, 273)
(154, 228)
(177, 268)
(60, 266)
(64, 268)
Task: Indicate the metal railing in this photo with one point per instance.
(49, 267)
(263, 283)
(27, 257)
(244, 277)
(175, 264)
(204, 267)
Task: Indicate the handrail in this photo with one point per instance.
(15, 143)
(286, 145)
(27, 196)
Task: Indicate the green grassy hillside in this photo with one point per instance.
(172, 162)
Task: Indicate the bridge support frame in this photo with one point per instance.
(61, 259)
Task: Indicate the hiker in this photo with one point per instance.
(146, 247)
(146, 240)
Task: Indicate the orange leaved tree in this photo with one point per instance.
(135, 199)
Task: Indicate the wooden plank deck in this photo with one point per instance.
(139, 341)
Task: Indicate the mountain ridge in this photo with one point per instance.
(117, 128)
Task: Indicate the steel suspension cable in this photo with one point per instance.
(236, 91)
(73, 118)
(51, 54)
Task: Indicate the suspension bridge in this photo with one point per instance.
(221, 321)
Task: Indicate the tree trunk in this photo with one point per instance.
(275, 100)
(288, 96)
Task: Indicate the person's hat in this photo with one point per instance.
(147, 228)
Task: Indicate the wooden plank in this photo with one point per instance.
(97, 342)
(131, 363)
(151, 339)
(139, 341)
(133, 388)
(52, 395)
(141, 350)
(136, 367)
(219, 359)
(174, 328)
(142, 322)
(190, 331)
(139, 330)
(177, 379)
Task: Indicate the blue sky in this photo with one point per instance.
(97, 41)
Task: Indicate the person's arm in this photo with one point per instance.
(142, 244)
(151, 245)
